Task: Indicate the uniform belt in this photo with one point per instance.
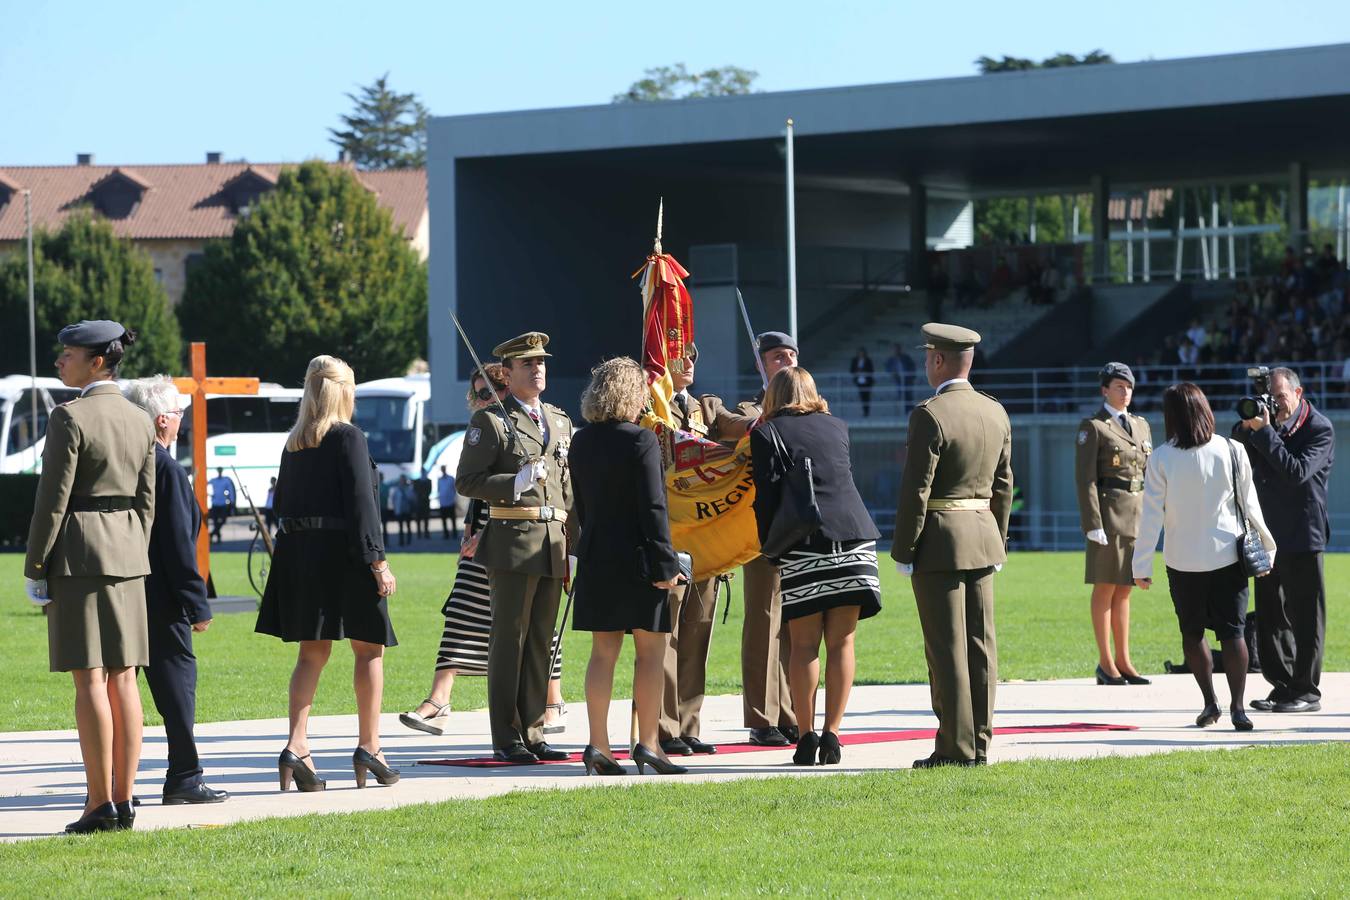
(100, 504)
(959, 503)
(528, 513)
(1121, 484)
(292, 524)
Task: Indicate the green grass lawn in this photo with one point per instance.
(1043, 632)
(1257, 822)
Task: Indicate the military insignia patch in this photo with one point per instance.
(473, 436)
(1082, 437)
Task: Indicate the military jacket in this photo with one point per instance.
(1109, 473)
(727, 426)
(488, 464)
(959, 447)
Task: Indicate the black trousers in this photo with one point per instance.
(1291, 624)
(172, 677)
(448, 521)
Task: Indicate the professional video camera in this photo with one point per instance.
(1250, 407)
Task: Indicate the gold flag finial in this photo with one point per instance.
(660, 214)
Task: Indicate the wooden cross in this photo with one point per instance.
(198, 386)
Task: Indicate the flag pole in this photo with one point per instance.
(791, 236)
(32, 323)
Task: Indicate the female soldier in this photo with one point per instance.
(88, 557)
(1113, 449)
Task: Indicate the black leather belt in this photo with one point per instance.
(290, 525)
(100, 504)
(1121, 484)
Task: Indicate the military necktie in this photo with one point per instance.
(1125, 423)
(683, 403)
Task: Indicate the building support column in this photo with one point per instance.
(1298, 205)
(1101, 228)
(917, 274)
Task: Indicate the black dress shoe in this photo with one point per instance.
(515, 753)
(676, 747)
(1134, 679)
(698, 746)
(597, 763)
(1241, 722)
(935, 761)
(100, 818)
(1103, 678)
(829, 748)
(1263, 704)
(126, 815)
(1297, 706)
(196, 793)
(790, 732)
(644, 758)
(767, 737)
(807, 745)
(364, 762)
(544, 753)
(1208, 716)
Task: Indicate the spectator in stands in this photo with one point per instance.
(1197, 333)
(901, 367)
(862, 369)
(1191, 490)
(1050, 284)
(938, 283)
(1188, 354)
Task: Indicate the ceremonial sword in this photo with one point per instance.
(754, 344)
(487, 383)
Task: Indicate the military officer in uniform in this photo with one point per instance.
(515, 459)
(1112, 450)
(692, 612)
(951, 533)
(766, 699)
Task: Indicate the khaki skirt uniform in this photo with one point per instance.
(1109, 465)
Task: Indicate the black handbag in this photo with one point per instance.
(1252, 555)
(797, 516)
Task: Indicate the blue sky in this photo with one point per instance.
(161, 82)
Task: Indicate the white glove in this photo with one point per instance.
(529, 474)
(1097, 536)
(905, 569)
(571, 567)
(36, 589)
(998, 567)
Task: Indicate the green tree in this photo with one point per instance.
(678, 83)
(316, 267)
(85, 271)
(386, 130)
(988, 65)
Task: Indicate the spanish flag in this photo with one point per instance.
(709, 487)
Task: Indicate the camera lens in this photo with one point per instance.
(1248, 408)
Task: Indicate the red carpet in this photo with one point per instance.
(866, 737)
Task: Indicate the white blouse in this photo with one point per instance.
(1188, 495)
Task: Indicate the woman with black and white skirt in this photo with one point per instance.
(468, 613)
(829, 581)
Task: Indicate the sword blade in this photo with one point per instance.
(754, 344)
(487, 382)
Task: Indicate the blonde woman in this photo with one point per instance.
(626, 564)
(329, 579)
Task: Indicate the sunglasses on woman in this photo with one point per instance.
(484, 393)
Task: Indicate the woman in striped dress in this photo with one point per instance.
(829, 580)
(468, 614)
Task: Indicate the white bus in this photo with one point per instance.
(245, 435)
(21, 445)
(393, 414)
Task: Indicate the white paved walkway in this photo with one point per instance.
(42, 785)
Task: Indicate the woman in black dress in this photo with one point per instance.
(829, 581)
(329, 579)
(626, 565)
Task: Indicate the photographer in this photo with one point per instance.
(1291, 458)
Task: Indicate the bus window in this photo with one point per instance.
(21, 434)
(382, 420)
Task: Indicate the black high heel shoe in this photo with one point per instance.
(1208, 716)
(1134, 679)
(100, 818)
(1103, 678)
(363, 762)
(829, 749)
(597, 763)
(291, 767)
(807, 745)
(1241, 722)
(126, 815)
(644, 757)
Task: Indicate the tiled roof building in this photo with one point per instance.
(171, 211)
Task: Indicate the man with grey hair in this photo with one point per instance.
(1291, 459)
(175, 595)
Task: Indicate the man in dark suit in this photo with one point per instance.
(1291, 460)
(175, 597)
